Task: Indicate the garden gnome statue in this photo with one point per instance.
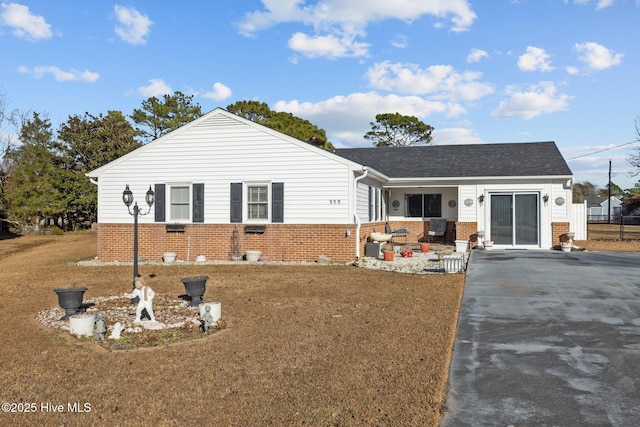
(145, 295)
(207, 319)
(98, 332)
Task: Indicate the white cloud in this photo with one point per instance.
(348, 118)
(156, 87)
(355, 13)
(572, 70)
(476, 55)
(535, 59)
(600, 4)
(132, 26)
(596, 56)
(451, 136)
(400, 41)
(330, 46)
(220, 92)
(59, 75)
(24, 23)
(538, 99)
(439, 81)
(337, 23)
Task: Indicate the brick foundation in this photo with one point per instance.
(279, 242)
(467, 231)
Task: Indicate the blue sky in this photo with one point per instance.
(485, 71)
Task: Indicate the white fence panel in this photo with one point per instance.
(579, 221)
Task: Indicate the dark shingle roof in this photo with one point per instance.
(472, 160)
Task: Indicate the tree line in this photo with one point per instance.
(42, 170)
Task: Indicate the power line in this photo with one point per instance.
(603, 150)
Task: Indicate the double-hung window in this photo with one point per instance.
(423, 205)
(179, 200)
(258, 202)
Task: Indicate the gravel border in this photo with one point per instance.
(420, 263)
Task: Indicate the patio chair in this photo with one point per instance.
(437, 227)
(398, 232)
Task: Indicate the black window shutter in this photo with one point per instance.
(159, 210)
(198, 202)
(277, 202)
(236, 202)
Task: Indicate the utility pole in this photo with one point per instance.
(609, 196)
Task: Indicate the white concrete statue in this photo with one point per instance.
(117, 330)
(207, 319)
(145, 299)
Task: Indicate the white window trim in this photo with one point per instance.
(168, 204)
(245, 201)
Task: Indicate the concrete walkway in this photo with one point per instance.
(547, 338)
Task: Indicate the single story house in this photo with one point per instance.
(600, 207)
(294, 201)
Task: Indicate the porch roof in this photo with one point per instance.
(470, 160)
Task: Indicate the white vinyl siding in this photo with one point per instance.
(220, 150)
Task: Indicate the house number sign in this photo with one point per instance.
(334, 201)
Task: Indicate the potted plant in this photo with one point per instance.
(236, 247)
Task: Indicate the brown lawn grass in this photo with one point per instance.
(308, 345)
(606, 237)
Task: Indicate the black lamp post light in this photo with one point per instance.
(127, 198)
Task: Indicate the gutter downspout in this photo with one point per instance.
(365, 171)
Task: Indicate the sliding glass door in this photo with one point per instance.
(515, 219)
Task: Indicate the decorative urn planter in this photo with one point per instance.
(195, 287)
(253, 255)
(566, 246)
(70, 299)
(488, 245)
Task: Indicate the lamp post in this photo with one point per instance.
(127, 198)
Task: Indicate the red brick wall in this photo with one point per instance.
(279, 242)
(559, 229)
(467, 231)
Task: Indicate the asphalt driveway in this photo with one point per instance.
(547, 338)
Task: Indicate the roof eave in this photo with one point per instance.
(451, 180)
